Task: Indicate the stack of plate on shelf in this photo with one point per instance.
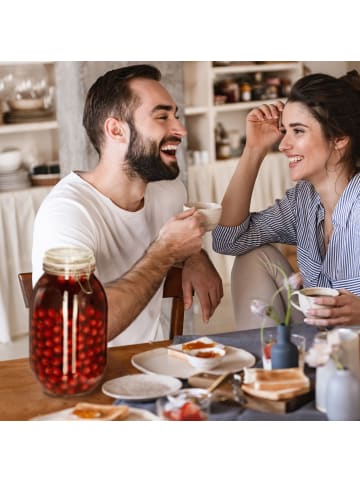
(27, 110)
(12, 174)
(12, 181)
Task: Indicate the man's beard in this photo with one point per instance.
(145, 160)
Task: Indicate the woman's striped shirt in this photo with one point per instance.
(297, 219)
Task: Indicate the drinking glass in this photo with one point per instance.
(266, 343)
(300, 342)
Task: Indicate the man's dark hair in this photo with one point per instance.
(111, 95)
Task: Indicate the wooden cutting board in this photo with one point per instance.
(204, 380)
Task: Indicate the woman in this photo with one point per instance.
(319, 132)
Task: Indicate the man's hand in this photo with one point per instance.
(200, 275)
(181, 236)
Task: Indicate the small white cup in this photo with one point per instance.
(210, 211)
(307, 297)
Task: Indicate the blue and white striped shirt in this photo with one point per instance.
(297, 219)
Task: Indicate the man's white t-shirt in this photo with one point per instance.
(76, 214)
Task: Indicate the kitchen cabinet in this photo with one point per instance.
(37, 139)
(202, 114)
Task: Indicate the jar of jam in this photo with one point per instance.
(68, 323)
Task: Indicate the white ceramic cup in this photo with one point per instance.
(307, 297)
(210, 211)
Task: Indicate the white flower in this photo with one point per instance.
(295, 281)
(318, 354)
(333, 339)
(321, 351)
(266, 309)
(259, 307)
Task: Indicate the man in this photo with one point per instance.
(127, 209)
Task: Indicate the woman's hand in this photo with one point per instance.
(336, 310)
(262, 126)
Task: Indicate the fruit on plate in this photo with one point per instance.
(187, 412)
(189, 404)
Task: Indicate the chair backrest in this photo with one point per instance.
(25, 280)
(172, 289)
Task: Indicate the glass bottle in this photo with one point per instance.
(258, 86)
(222, 143)
(68, 323)
(245, 92)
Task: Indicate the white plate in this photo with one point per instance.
(141, 387)
(135, 414)
(161, 361)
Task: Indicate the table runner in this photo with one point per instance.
(248, 340)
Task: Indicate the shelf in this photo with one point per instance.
(11, 63)
(196, 110)
(28, 127)
(201, 113)
(237, 106)
(251, 68)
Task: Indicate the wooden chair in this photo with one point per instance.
(172, 289)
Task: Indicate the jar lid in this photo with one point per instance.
(69, 260)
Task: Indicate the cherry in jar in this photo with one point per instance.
(68, 324)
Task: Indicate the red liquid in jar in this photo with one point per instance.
(68, 334)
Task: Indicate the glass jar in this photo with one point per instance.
(245, 92)
(223, 149)
(68, 323)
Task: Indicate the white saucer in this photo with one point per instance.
(141, 387)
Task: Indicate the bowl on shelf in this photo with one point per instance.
(44, 179)
(10, 160)
(26, 104)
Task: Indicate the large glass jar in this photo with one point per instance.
(68, 323)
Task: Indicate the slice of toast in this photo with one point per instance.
(85, 411)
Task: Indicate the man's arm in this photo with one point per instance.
(178, 239)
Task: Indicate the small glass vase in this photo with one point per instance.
(284, 354)
(343, 396)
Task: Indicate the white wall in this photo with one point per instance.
(332, 68)
(354, 65)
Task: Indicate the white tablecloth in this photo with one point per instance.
(209, 182)
(17, 213)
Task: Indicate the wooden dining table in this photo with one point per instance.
(22, 397)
